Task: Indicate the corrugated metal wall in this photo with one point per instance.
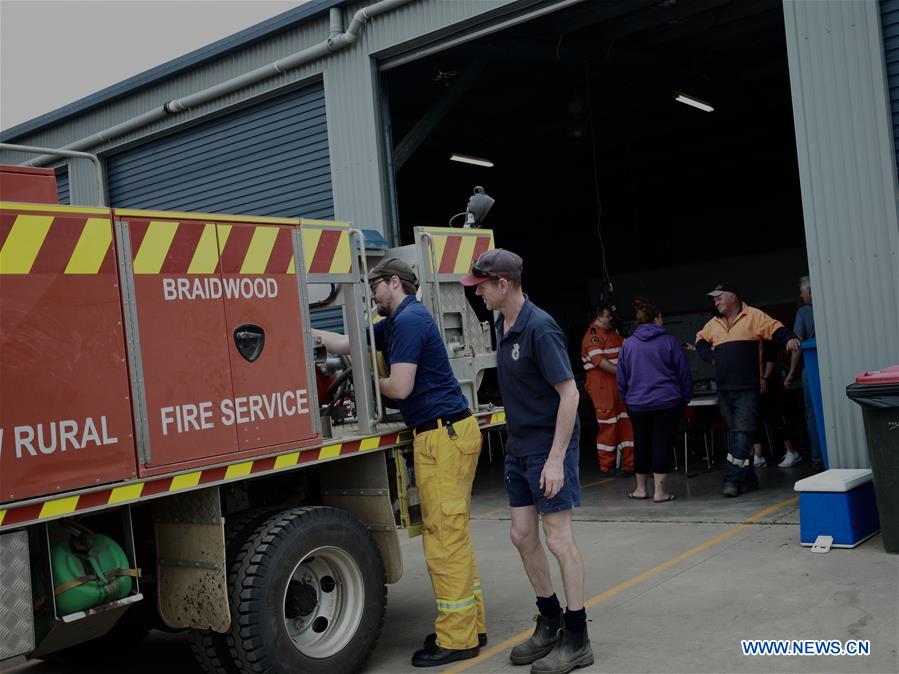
(847, 168)
(267, 159)
(62, 186)
(889, 20)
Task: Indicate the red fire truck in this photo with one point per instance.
(176, 451)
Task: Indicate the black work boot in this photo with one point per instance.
(572, 651)
(541, 642)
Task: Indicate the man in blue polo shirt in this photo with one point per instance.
(446, 448)
(541, 399)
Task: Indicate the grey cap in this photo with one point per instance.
(393, 266)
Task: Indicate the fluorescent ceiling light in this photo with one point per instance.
(695, 102)
(466, 159)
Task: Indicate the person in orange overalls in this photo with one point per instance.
(599, 353)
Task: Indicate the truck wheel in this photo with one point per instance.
(210, 649)
(308, 594)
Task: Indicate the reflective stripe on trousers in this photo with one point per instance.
(444, 472)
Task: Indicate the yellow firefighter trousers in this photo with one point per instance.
(444, 472)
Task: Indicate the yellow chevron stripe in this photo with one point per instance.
(24, 243)
(439, 246)
(498, 417)
(208, 217)
(466, 252)
(292, 267)
(260, 250)
(341, 264)
(92, 246)
(206, 256)
(2, 515)
(185, 481)
(329, 452)
(155, 247)
(287, 460)
(48, 208)
(130, 492)
(60, 506)
(224, 231)
(311, 237)
(370, 443)
(304, 222)
(238, 470)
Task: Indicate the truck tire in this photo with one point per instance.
(210, 649)
(308, 594)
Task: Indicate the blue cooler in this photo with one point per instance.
(840, 503)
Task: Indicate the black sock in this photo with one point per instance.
(576, 621)
(549, 607)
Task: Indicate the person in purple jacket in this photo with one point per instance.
(655, 383)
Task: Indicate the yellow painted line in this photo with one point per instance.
(466, 252)
(311, 237)
(223, 232)
(341, 263)
(631, 582)
(206, 256)
(329, 452)
(260, 250)
(60, 506)
(24, 243)
(207, 217)
(49, 208)
(238, 470)
(185, 481)
(92, 246)
(287, 460)
(129, 492)
(370, 443)
(155, 247)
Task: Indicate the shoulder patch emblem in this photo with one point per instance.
(594, 340)
(516, 351)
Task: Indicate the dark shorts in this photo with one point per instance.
(523, 483)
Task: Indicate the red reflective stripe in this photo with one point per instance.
(58, 246)
(213, 475)
(183, 248)
(23, 514)
(480, 246)
(324, 252)
(281, 253)
(450, 253)
(263, 465)
(157, 487)
(232, 257)
(94, 500)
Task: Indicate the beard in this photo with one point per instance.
(382, 310)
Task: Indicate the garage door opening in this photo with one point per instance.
(600, 173)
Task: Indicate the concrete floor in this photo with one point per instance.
(672, 587)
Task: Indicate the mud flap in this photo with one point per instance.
(191, 571)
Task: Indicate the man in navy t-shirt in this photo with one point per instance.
(446, 449)
(540, 399)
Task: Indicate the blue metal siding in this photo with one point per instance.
(329, 318)
(62, 186)
(267, 159)
(889, 21)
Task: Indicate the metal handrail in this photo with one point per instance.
(438, 309)
(366, 292)
(101, 193)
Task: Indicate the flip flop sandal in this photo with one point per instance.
(637, 498)
(671, 497)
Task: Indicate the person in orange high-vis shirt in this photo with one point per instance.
(599, 354)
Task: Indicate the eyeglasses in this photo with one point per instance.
(374, 284)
